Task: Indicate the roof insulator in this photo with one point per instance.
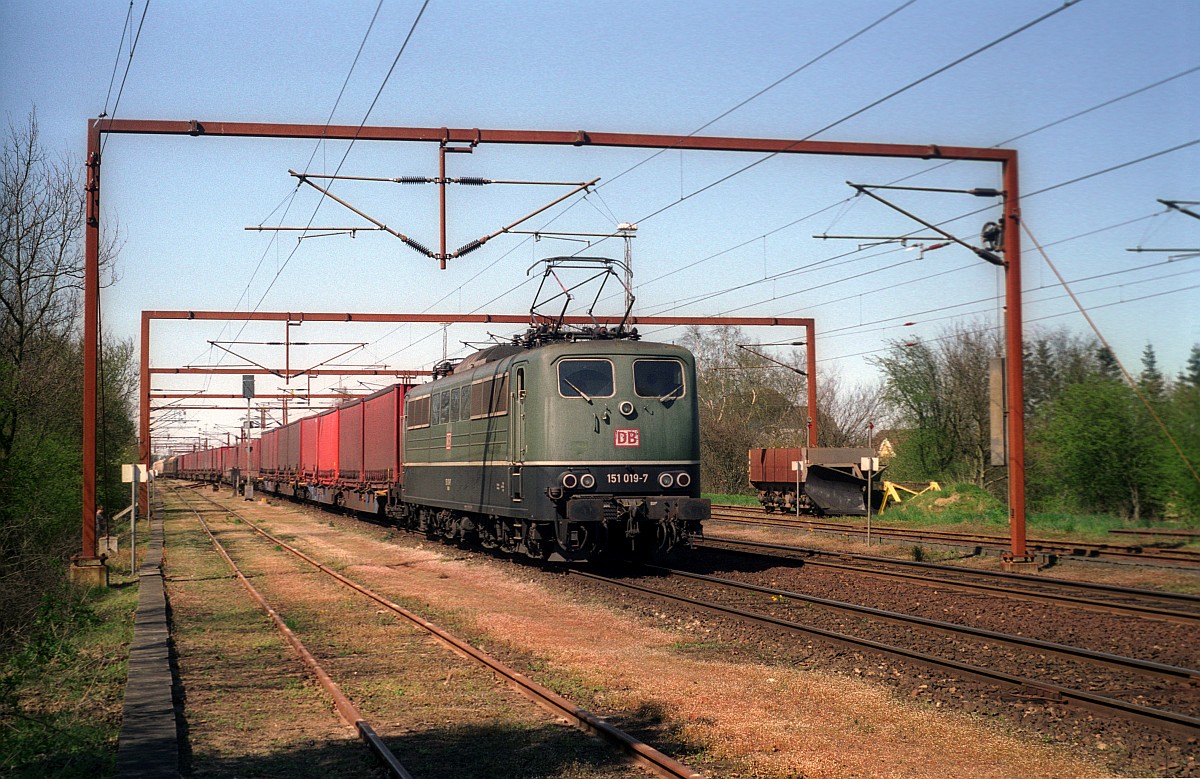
(468, 248)
(418, 246)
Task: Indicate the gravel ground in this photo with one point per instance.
(1125, 748)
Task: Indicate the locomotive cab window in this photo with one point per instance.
(662, 379)
(585, 379)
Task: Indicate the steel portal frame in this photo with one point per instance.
(1007, 158)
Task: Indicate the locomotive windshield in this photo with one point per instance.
(661, 379)
(585, 379)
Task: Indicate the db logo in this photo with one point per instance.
(627, 437)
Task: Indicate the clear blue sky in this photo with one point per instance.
(180, 204)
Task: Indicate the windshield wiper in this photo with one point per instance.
(582, 394)
(667, 397)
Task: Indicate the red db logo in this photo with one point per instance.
(627, 437)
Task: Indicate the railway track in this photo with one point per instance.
(1173, 690)
(1067, 550)
(1090, 596)
(645, 756)
(346, 709)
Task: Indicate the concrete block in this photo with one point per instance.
(89, 571)
(1027, 565)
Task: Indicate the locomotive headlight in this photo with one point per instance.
(569, 480)
(665, 480)
(587, 481)
(626, 408)
(683, 479)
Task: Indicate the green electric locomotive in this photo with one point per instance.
(573, 449)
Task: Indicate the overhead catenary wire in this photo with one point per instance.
(989, 328)
(850, 200)
(1052, 187)
(772, 85)
(125, 26)
(863, 327)
(403, 46)
(1025, 134)
(289, 198)
(862, 31)
(859, 111)
(873, 104)
(128, 63)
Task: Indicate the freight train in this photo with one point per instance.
(574, 447)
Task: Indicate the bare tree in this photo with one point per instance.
(846, 410)
(41, 274)
(938, 391)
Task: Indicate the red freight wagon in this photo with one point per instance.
(228, 460)
(327, 445)
(255, 457)
(268, 452)
(350, 443)
(383, 414)
(774, 465)
(289, 449)
(308, 448)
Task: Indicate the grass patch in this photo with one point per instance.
(972, 508)
(61, 691)
(733, 500)
(571, 686)
(1078, 525)
(954, 504)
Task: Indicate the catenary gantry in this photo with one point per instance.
(1007, 158)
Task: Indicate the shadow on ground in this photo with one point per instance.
(464, 752)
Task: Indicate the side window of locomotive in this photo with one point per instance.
(435, 408)
(658, 379)
(445, 413)
(465, 409)
(454, 409)
(499, 405)
(479, 398)
(418, 412)
(585, 378)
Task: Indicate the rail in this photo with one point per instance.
(346, 709)
(1180, 722)
(1004, 588)
(1071, 550)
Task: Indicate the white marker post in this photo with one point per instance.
(134, 474)
(870, 465)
